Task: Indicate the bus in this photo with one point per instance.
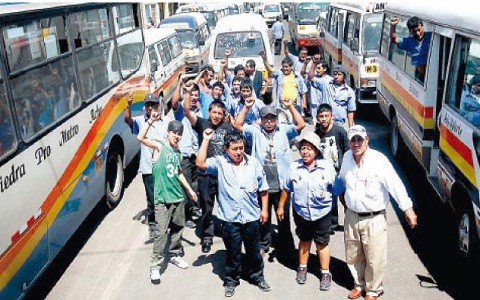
(64, 143)
(357, 44)
(435, 117)
(302, 23)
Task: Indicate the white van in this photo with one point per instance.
(245, 35)
(195, 38)
(163, 61)
(270, 12)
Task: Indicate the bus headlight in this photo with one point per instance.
(364, 83)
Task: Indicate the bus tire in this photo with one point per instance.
(466, 232)
(114, 178)
(397, 145)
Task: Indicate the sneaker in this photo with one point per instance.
(206, 246)
(263, 286)
(190, 224)
(152, 231)
(155, 274)
(229, 290)
(196, 214)
(325, 281)
(301, 275)
(179, 262)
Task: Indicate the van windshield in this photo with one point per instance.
(187, 39)
(372, 31)
(242, 44)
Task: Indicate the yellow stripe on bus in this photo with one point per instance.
(459, 161)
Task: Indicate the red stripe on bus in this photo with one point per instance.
(456, 144)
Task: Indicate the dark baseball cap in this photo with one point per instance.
(175, 126)
(268, 110)
(151, 98)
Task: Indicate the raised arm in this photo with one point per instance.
(222, 73)
(297, 117)
(127, 115)
(393, 34)
(142, 135)
(240, 119)
(187, 101)
(176, 93)
(201, 160)
(266, 80)
(263, 55)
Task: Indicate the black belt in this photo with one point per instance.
(369, 214)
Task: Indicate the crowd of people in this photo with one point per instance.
(226, 147)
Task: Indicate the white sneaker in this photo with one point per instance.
(179, 262)
(155, 274)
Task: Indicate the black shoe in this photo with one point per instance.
(206, 246)
(263, 286)
(229, 290)
(190, 224)
(196, 214)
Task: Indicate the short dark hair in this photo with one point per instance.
(413, 22)
(208, 68)
(238, 68)
(324, 107)
(195, 87)
(218, 84)
(238, 78)
(217, 103)
(232, 137)
(250, 62)
(324, 65)
(288, 61)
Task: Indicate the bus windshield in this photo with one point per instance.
(308, 13)
(242, 44)
(188, 39)
(372, 31)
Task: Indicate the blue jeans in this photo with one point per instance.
(233, 236)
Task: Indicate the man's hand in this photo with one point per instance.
(394, 21)
(263, 216)
(227, 52)
(129, 99)
(263, 54)
(249, 102)
(193, 195)
(280, 213)
(287, 103)
(208, 134)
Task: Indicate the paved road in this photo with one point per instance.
(114, 262)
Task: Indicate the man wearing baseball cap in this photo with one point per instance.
(312, 180)
(370, 179)
(159, 132)
(168, 179)
(339, 95)
(271, 146)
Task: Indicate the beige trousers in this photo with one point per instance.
(366, 250)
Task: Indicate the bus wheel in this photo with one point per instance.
(114, 179)
(397, 145)
(467, 236)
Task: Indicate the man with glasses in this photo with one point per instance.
(339, 95)
(271, 146)
(157, 131)
(369, 179)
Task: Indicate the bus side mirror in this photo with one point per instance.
(201, 43)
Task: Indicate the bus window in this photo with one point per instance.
(130, 47)
(175, 46)
(90, 27)
(124, 18)
(351, 36)
(7, 134)
(463, 93)
(93, 69)
(372, 30)
(165, 55)
(60, 85)
(24, 45)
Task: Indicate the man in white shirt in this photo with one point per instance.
(369, 178)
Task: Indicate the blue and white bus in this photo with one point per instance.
(63, 142)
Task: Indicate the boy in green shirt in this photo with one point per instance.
(168, 197)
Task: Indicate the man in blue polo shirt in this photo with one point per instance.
(417, 44)
(241, 180)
